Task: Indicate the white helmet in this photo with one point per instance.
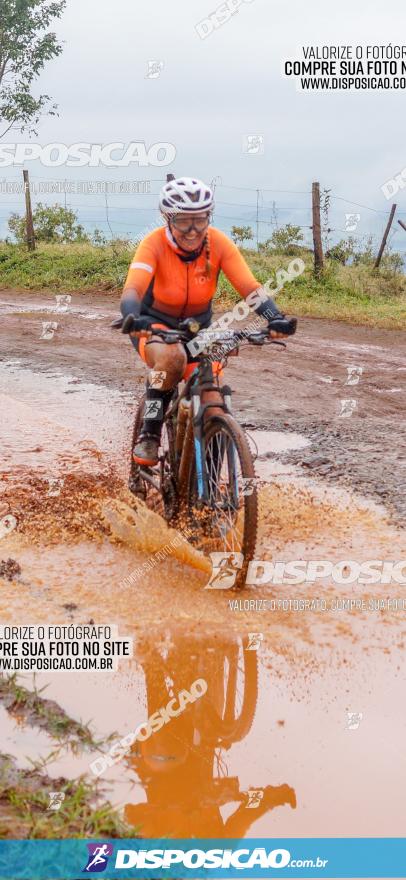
(186, 195)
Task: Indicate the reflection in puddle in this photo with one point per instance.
(183, 767)
(267, 750)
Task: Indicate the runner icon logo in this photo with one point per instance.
(56, 799)
(248, 485)
(254, 641)
(351, 222)
(153, 409)
(254, 798)
(98, 857)
(253, 144)
(157, 378)
(154, 70)
(354, 720)
(225, 569)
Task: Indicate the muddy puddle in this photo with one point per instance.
(257, 755)
(60, 306)
(300, 729)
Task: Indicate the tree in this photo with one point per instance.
(52, 223)
(25, 45)
(98, 238)
(393, 263)
(365, 251)
(287, 238)
(342, 251)
(264, 247)
(239, 234)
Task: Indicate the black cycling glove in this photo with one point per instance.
(130, 306)
(284, 325)
(130, 309)
(276, 319)
(268, 309)
(131, 324)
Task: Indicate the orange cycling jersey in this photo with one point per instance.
(170, 285)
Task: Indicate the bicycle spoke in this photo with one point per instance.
(222, 479)
(225, 520)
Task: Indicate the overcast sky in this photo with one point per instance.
(212, 93)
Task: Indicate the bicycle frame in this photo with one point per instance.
(201, 380)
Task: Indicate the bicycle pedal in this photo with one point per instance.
(138, 490)
(137, 487)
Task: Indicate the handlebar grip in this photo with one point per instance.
(258, 338)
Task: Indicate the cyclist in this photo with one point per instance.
(173, 276)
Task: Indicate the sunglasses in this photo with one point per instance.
(184, 224)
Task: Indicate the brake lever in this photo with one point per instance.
(117, 324)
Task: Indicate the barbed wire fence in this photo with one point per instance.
(263, 209)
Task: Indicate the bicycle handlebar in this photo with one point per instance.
(190, 327)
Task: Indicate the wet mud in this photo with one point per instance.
(301, 727)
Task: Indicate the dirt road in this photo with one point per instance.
(321, 704)
(299, 389)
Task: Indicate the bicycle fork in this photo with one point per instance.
(199, 410)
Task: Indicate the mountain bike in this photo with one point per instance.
(205, 477)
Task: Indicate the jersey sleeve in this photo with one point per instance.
(235, 267)
(142, 267)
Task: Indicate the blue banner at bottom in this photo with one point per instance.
(260, 857)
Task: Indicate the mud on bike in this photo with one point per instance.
(205, 478)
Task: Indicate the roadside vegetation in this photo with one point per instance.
(355, 293)
(349, 289)
(34, 708)
(25, 813)
(25, 793)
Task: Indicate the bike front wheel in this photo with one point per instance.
(226, 521)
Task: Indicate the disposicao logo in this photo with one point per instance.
(98, 857)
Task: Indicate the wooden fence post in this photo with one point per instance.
(317, 245)
(385, 235)
(28, 213)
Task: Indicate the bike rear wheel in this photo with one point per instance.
(228, 522)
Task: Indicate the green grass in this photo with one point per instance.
(31, 707)
(24, 802)
(24, 794)
(356, 294)
(64, 267)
